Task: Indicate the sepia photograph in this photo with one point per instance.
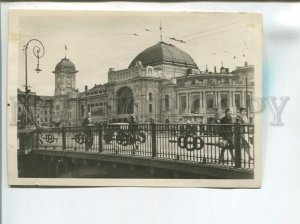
(99, 98)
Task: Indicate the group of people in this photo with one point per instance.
(227, 134)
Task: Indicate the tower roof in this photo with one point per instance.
(65, 65)
(164, 53)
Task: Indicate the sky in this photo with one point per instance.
(97, 41)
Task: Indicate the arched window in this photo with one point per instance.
(195, 104)
(125, 101)
(210, 101)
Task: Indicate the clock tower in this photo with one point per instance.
(65, 81)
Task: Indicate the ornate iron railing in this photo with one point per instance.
(215, 144)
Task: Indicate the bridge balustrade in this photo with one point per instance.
(212, 144)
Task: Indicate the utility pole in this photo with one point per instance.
(247, 106)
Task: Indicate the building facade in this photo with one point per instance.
(162, 82)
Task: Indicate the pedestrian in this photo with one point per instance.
(87, 130)
(226, 133)
(190, 128)
(243, 120)
(152, 121)
(189, 121)
(133, 129)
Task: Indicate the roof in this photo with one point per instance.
(164, 53)
(209, 75)
(65, 65)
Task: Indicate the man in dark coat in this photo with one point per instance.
(133, 130)
(87, 129)
(227, 134)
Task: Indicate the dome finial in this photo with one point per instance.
(160, 29)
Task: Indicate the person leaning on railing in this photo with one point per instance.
(87, 130)
(243, 120)
(133, 129)
(226, 133)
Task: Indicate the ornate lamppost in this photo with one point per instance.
(38, 51)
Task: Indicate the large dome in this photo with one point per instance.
(163, 53)
(65, 65)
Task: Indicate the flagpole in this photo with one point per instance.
(66, 51)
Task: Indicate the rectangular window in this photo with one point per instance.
(101, 104)
(46, 120)
(89, 108)
(183, 102)
(41, 119)
(237, 101)
(167, 103)
(210, 100)
(150, 108)
(50, 119)
(224, 100)
(45, 112)
(37, 115)
(195, 104)
(150, 96)
(19, 109)
(82, 110)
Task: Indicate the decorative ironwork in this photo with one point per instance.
(177, 141)
(125, 138)
(190, 142)
(80, 138)
(49, 138)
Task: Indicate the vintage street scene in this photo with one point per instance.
(137, 95)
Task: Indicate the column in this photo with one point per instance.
(218, 99)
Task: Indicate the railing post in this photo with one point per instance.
(237, 145)
(153, 134)
(63, 135)
(100, 138)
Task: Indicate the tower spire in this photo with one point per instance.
(160, 30)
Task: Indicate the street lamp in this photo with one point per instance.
(38, 51)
